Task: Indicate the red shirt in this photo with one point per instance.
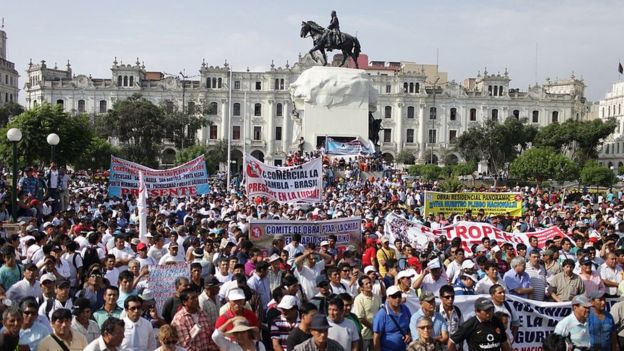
(251, 318)
(368, 255)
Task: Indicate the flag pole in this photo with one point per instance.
(229, 133)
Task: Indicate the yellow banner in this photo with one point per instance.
(457, 203)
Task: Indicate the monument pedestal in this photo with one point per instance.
(332, 102)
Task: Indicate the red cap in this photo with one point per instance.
(141, 246)
(34, 202)
(413, 261)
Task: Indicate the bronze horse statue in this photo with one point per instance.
(348, 44)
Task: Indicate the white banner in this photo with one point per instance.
(142, 205)
(301, 183)
(417, 234)
(537, 319)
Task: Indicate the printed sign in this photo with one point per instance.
(162, 281)
(301, 183)
(537, 319)
(188, 179)
(347, 231)
(397, 227)
(353, 147)
(458, 203)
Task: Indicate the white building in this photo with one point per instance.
(8, 73)
(422, 111)
(611, 153)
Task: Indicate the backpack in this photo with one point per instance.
(74, 260)
(90, 258)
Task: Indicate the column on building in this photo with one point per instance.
(422, 140)
(224, 121)
(285, 126)
(399, 129)
(269, 133)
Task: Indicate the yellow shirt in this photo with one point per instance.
(383, 255)
(78, 343)
(366, 307)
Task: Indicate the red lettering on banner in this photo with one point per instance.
(487, 230)
(461, 232)
(474, 232)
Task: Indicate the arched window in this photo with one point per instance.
(405, 89)
(81, 106)
(208, 83)
(555, 117)
(433, 113)
(411, 87)
(214, 82)
(257, 109)
(410, 111)
(388, 112)
(60, 102)
(236, 109)
(607, 149)
(103, 106)
(453, 115)
(119, 81)
(494, 114)
(417, 88)
(131, 81)
(500, 90)
(473, 114)
(496, 90)
(219, 83)
(279, 110)
(535, 116)
(516, 114)
(125, 81)
(212, 108)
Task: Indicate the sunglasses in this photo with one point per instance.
(429, 327)
(395, 296)
(448, 296)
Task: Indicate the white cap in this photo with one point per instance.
(288, 302)
(369, 269)
(433, 264)
(273, 258)
(467, 264)
(496, 249)
(236, 294)
(48, 276)
(324, 242)
(404, 274)
(393, 290)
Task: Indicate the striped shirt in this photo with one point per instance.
(280, 328)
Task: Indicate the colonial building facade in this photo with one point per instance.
(8, 73)
(612, 151)
(422, 112)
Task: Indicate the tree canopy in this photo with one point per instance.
(8, 110)
(540, 164)
(595, 174)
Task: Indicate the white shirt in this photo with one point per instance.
(91, 333)
(96, 345)
(22, 289)
(344, 332)
(138, 336)
(155, 253)
(607, 273)
(146, 261)
(226, 344)
(292, 251)
(112, 276)
(123, 254)
(55, 306)
(69, 257)
(307, 277)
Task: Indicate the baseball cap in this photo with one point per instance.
(586, 261)
(147, 295)
(273, 258)
(393, 290)
(236, 294)
(324, 242)
(211, 281)
(404, 274)
(141, 246)
(369, 269)
(427, 296)
(288, 302)
(319, 322)
(471, 276)
(581, 300)
(50, 277)
(467, 264)
(484, 304)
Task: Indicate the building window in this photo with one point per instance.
(453, 114)
(473, 114)
(279, 84)
(131, 81)
(607, 149)
(411, 87)
(60, 102)
(388, 112)
(388, 89)
(214, 82)
(535, 118)
(236, 109)
(452, 136)
(279, 110)
(190, 107)
(119, 81)
(258, 110)
(212, 109)
(219, 83)
(555, 116)
(433, 113)
(410, 136)
(236, 132)
(257, 133)
(103, 107)
(213, 132)
(237, 85)
(125, 81)
(516, 114)
(603, 112)
(276, 85)
(278, 133)
(410, 111)
(489, 90)
(417, 88)
(81, 106)
(387, 135)
(500, 91)
(494, 115)
(258, 85)
(208, 83)
(432, 136)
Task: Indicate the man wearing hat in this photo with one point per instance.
(575, 326)
(61, 299)
(590, 278)
(274, 275)
(208, 301)
(236, 307)
(384, 254)
(319, 340)
(82, 321)
(142, 257)
(482, 331)
(287, 321)
(428, 309)
(391, 323)
(432, 278)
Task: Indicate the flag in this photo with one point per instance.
(142, 206)
(620, 68)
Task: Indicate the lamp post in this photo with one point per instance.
(53, 139)
(14, 135)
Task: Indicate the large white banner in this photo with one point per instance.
(301, 183)
(419, 235)
(537, 319)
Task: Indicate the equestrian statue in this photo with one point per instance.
(331, 39)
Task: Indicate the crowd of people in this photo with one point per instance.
(75, 275)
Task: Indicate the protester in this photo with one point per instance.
(111, 338)
(602, 330)
(62, 336)
(391, 323)
(481, 332)
(319, 341)
(575, 327)
(424, 340)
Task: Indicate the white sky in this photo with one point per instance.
(580, 36)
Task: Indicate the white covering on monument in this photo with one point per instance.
(331, 101)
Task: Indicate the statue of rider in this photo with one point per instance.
(334, 28)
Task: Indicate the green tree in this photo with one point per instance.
(181, 126)
(74, 131)
(581, 139)
(451, 185)
(406, 157)
(540, 164)
(8, 110)
(428, 172)
(96, 155)
(214, 155)
(464, 169)
(595, 174)
(621, 170)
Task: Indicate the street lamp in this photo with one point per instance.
(53, 139)
(14, 135)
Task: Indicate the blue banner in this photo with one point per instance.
(353, 147)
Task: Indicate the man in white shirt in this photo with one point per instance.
(123, 255)
(172, 255)
(157, 251)
(341, 329)
(29, 286)
(611, 274)
(294, 247)
(138, 332)
(307, 269)
(112, 336)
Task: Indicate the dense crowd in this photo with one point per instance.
(75, 275)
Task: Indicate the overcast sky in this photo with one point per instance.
(580, 36)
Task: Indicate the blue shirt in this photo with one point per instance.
(600, 330)
(577, 331)
(439, 324)
(33, 335)
(514, 281)
(391, 336)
